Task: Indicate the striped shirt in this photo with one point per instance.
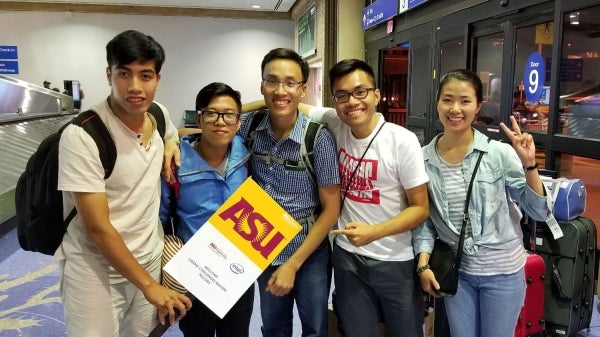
(456, 192)
(479, 260)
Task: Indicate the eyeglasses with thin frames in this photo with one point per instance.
(360, 93)
(209, 116)
(288, 85)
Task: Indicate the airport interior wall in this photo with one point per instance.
(57, 46)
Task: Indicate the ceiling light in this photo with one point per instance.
(255, 6)
(574, 18)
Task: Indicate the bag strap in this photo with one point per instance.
(465, 222)
(159, 117)
(358, 164)
(307, 146)
(90, 121)
(92, 124)
(253, 120)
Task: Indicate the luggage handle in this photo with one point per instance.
(557, 278)
(558, 281)
(533, 235)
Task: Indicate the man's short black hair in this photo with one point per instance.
(131, 46)
(206, 94)
(286, 54)
(347, 66)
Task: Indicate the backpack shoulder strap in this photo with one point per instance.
(254, 119)
(307, 149)
(93, 125)
(309, 140)
(159, 116)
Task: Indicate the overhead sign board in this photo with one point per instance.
(378, 12)
(410, 4)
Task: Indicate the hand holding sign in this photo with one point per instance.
(228, 253)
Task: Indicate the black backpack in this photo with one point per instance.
(39, 204)
(307, 148)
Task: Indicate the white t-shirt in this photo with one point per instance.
(393, 163)
(132, 191)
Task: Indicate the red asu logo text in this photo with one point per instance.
(253, 227)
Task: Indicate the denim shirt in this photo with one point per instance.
(202, 189)
(498, 188)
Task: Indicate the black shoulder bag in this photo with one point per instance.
(445, 260)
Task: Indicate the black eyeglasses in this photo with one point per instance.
(288, 85)
(360, 93)
(209, 116)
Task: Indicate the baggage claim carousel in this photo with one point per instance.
(28, 114)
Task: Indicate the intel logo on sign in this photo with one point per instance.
(236, 268)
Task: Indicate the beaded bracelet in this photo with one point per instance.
(423, 268)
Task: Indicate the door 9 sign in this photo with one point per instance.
(534, 77)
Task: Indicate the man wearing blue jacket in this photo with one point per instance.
(213, 166)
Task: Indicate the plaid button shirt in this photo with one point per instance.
(292, 189)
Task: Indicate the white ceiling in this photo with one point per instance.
(265, 5)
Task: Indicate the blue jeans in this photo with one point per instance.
(486, 305)
(311, 293)
(369, 290)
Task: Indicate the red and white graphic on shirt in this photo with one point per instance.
(361, 188)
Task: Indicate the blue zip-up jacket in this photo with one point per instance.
(498, 187)
(202, 190)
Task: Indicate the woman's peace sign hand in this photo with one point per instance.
(521, 142)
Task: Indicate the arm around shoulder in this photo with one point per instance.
(253, 106)
(170, 129)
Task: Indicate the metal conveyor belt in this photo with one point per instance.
(18, 141)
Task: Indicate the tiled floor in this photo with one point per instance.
(30, 303)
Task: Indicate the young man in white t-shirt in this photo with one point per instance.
(384, 193)
(111, 255)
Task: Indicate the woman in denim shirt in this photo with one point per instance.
(491, 287)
